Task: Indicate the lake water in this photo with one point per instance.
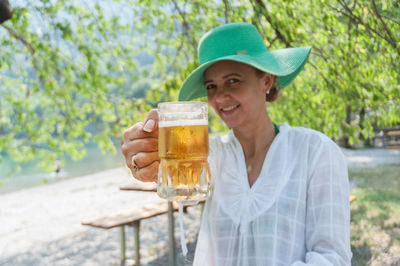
(96, 161)
(31, 175)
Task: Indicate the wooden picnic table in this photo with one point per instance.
(129, 217)
(152, 187)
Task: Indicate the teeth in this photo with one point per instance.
(229, 108)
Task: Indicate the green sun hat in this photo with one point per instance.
(241, 42)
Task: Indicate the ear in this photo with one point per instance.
(268, 81)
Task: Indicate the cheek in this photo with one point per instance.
(212, 103)
(247, 96)
(252, 99)
(258, 91)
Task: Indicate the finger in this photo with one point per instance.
(143, 159)
(148, 173)
(145, 129)
(137, 146)
(133, 132)
(150, 123)
(137, 132)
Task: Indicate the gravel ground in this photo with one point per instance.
(371, 157)
(41, 225)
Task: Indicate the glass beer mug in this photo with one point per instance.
(184, 173)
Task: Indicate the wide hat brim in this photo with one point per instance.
(286, 64)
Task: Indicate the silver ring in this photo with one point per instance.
(134, 165)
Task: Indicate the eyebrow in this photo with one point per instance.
(224, 77)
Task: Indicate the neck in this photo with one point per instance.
(256, 136)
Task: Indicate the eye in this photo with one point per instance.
(233, 81)
(210, 86)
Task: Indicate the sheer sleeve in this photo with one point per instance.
(328, 209)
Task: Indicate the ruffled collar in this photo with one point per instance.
(232, 188)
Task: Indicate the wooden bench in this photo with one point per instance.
(136, 186)
(130, 217)
(392, 138)
(134, 216)
(388, 138)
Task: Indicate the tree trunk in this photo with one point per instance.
(344, 140)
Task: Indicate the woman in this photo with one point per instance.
(281, 193)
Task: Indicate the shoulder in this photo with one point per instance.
(307, 136)
(311, 141)
(303, 132)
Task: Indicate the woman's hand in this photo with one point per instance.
(140, 148)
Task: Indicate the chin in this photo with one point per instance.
(232, 124)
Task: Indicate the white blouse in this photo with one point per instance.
(296, 213)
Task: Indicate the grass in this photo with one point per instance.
(375, 215)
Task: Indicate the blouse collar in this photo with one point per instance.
(236, 196)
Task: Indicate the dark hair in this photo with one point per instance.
(275, 92)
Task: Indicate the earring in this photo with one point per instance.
(267, 91)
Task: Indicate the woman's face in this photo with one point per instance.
(236, 92)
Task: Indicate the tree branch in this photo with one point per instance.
(31, 50)
(320, 54)
(359, 21)
(383, 23)
(176, 57)
(21, 39)
(257, 21)
(278, 33)
(330, 85)
(392, 19)
(185, 24)
(272, 42)
(226, 11)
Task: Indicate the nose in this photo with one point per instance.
(221, 94)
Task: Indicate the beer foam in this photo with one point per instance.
(181, 123)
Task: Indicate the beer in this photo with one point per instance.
(183, 149)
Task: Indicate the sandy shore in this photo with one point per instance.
(42, 225)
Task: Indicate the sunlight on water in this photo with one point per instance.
(31, 175)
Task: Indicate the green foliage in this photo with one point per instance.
(350, 86)
(64, 81)
(72, 72)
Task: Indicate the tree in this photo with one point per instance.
(67, 68)
(350, 86)
(62, 76)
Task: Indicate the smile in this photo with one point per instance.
(230, 108)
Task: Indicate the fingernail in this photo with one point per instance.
(149, 126)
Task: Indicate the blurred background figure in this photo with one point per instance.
(58, 167)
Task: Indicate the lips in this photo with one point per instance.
(229, 108)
